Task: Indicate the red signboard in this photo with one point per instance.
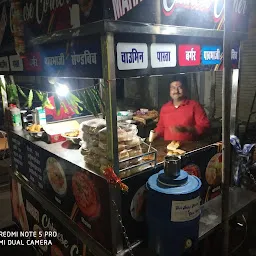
(189, 55)
(32, 61)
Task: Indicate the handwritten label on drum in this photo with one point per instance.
(185, 210)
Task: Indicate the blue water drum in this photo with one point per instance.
(173, 213)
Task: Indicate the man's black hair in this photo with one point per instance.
(180, 78)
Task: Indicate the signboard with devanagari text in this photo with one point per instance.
(163, 55)
(211, 55)
(16, 63)
(4, 64)
(132, 56)
(189, 55)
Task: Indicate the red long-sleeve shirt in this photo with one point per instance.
(188, 114)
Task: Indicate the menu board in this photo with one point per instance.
(35, 173)
(145, 57)
(81, 195)
(18, 148)
(32, 216)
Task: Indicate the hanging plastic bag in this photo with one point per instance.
(242, 160)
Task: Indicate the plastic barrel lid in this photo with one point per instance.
(193, 184)
(166, 181)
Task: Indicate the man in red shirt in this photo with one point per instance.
(181, 119)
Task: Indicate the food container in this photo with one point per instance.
(124, 115)
(35, 131)
(74, 140)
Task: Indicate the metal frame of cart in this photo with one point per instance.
(107, 30)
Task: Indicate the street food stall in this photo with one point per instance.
(85, 177)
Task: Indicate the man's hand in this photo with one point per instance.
(183, 129)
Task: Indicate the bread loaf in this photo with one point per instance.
(103, 145)
(93, 126)
(173, 145)
(176, 152)
(136, 141)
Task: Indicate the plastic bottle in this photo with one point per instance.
(16, 118)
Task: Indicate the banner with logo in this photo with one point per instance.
(200, 13)
(47, 16)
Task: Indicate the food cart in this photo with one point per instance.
(111, 40)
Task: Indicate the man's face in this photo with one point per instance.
(176, 90)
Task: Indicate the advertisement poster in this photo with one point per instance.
(45, 17)
(41, 18)
(6, 38)
(81, 195)
(40, 228)
(202, 14)
(205, 164)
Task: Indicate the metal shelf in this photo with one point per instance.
(211, 211)
(104, 26)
